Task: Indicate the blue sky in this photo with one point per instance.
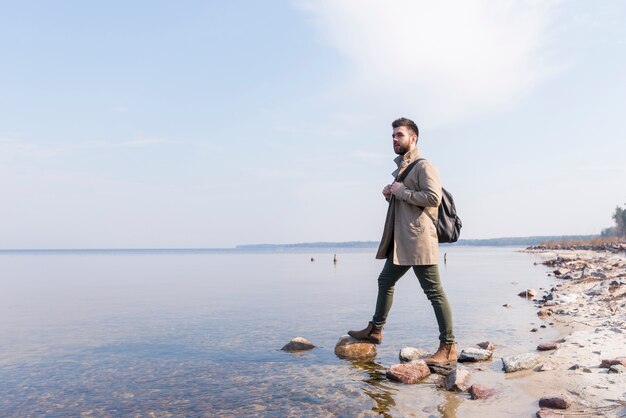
(212, 124)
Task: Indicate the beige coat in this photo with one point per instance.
(407, 227)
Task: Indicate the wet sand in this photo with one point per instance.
(588, 308)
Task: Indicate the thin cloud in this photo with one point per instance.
(450, 59)
(371, 156)
(13, 149)
(133, 143)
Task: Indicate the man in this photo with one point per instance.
(410, 240)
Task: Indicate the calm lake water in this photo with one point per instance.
(199, 333)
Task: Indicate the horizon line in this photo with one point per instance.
(312, 243)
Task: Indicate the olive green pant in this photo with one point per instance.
(430, 282)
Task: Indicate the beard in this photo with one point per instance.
(401, 150)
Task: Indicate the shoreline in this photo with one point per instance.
(588, 309)
(585, 308)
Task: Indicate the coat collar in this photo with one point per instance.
(403, 160)
(408, 158)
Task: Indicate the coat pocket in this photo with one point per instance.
(416, 227)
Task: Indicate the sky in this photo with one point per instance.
(159, 124)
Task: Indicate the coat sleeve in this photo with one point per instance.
(429, 187)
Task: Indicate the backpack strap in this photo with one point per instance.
(405, 173)
(423, 208)
(403, 176)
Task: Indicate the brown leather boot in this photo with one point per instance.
(371, 334)
(446, 354)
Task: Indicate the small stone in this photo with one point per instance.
(408, 373)
(548, 366)
(560, 271)
(534, 330)
(411, 353)
(486, 345)
(474, 354)
(555, 402)
(529, 293)
(456, 381)
(576, 367)
(477, 391)
(617, 368)
(507, 305)
(608, 363)
(548, 413)
(351, 348)
(298, 344)
(547, 346)
(521, 362)
(441, 369)
(542, 313)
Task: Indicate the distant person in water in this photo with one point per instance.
(410, 240)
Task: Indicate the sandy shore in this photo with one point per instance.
(588, 307)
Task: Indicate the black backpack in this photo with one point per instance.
(448, 223)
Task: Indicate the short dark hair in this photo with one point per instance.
(406, 122)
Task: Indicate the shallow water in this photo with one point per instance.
(199, 333)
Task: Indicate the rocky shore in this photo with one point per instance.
(588, 306)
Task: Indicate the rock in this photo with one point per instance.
(486, 345)
(555, 402)
(441, 369)
(477, 391)
(608, 363)
(617, 368)
(474, 354)
(575, 367)
(560, 271)
(507, 305)
(547, 346)
(298, 344)
(351, 348)
(548, 366)
(456, 380)
(410, 353)
(521, 362)
(534, 330)
(548, 413)
(408, 373)
(529, 293)
(542, 313)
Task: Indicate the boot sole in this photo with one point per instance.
(448, 363)
(368, 339)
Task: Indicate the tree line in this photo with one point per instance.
(619, 229)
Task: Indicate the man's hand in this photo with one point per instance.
(395, 186)
(387, 191)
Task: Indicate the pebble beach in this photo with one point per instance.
(581, 372)
(588, 306)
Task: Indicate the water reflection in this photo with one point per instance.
(377, 386)
(382, 391)
(451, 403)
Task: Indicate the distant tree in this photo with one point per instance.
(620, 221)
(608, 232)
